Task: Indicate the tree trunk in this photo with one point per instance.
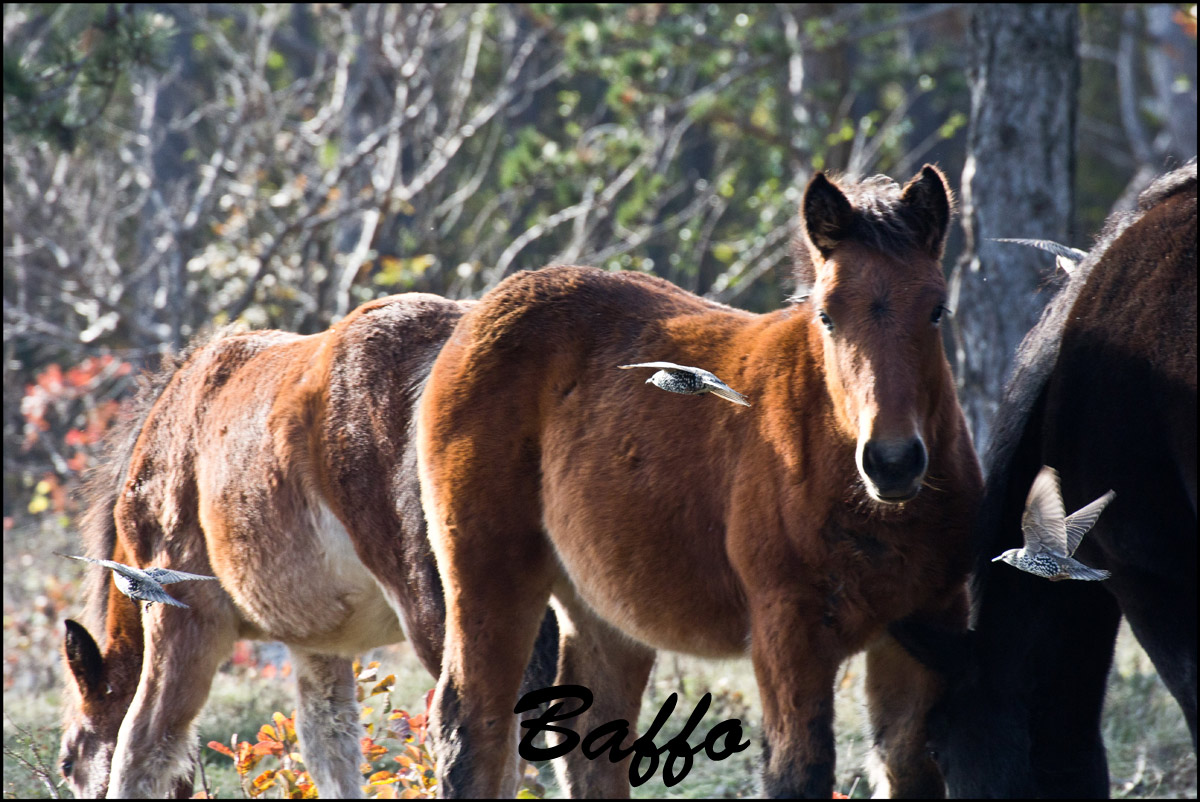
(1017, 182)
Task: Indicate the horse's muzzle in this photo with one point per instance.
(894, 469)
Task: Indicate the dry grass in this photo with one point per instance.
(1150, 753)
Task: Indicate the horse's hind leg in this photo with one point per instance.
(328, 723)
(615, 669)
(1162, 614)
(495, 600)
(183, 649)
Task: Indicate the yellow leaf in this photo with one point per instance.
(384, 685)
(264, 781)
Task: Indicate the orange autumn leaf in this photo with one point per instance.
(220, 747)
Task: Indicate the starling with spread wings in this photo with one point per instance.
(1051, 536)
(144, 585)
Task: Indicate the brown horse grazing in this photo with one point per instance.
(791, 529)
(285, 466)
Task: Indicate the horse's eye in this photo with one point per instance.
(936, 318)
(825, 321)
(66, 766)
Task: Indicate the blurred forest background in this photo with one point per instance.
(168, 168)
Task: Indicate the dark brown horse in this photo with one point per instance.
(1104, 390)
(795, 529)
(285, 466)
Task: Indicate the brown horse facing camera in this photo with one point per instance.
(795, 529)
(284, 465)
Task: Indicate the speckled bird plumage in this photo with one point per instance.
(144, 585)
(1051, 536)
(689, 381)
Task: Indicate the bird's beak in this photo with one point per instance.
(997, 559)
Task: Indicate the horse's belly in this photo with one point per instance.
(311, 591)
(668, 589)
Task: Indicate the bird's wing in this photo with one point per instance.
(120, 568)
(1042, 521)
(1058, 249)
(668, 365)
(166, 576)
(723, 390)
(151, 593)
(1077, 570)
(73, 557)
(1083, 519)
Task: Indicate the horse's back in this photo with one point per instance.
(286, 460)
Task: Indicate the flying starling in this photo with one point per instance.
(689, 381)
(143, 585)
(1065, 257)
(1051, 537)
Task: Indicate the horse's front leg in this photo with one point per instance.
(156, 744)
(795, 661)
(900, 692)
(328, 723)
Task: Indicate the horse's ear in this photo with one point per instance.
(84, 659)
(826, 214)
(941, 650)
(928, 202)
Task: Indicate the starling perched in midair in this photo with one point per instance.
(689, 381)
(143, 585)
(1051, 536)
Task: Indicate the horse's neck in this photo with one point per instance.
(124, 639)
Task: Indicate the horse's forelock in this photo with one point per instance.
(880, 222)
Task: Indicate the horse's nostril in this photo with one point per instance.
(894, 466)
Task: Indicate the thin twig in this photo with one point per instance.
(39, 770)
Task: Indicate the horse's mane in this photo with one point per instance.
(103, 482)
(1035, 360)
(880, 222)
